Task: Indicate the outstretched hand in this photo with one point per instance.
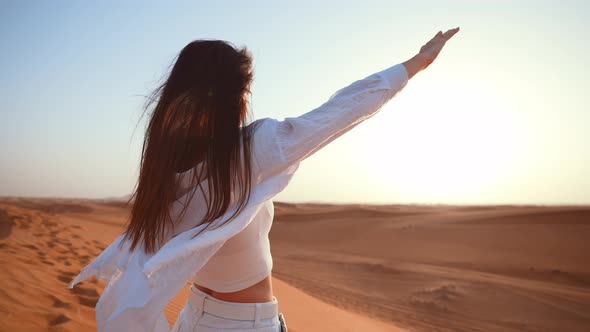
(428, 52)
(432, 48)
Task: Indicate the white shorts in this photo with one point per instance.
(204, 313)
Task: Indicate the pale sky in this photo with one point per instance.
(500, 117)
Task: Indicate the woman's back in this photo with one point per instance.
(240, 271)
(146, 280)
(142, 282)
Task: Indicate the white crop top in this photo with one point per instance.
(244, 259)
(235, 255)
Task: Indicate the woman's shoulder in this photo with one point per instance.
(262, 123)
(265, 146)
(261, 132)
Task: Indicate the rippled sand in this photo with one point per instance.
(336, 267)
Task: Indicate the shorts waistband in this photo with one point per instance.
(202, 301)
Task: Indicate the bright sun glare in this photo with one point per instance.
(447, 140)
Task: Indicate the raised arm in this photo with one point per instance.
(280, 144)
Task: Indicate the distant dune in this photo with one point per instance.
(442, 268)
(353, 267)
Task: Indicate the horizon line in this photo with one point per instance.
(320, 202)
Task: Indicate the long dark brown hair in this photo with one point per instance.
(199, 115)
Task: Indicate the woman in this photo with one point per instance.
(202, 207)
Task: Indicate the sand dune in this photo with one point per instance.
(336, 267)
(442, 268)
(44, 243)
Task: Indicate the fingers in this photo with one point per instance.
(444, 36)
(450, 33)
(438, 34)
(440, 37)
(435, 38)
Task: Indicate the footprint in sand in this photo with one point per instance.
(24, 226)
(88, 301)
(66, 276)
(58, 319)
(86, 296)
(29, 246)
(20, 221)
(28, 261)
(58, 303)
(49, 224)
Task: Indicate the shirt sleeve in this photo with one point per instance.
(283, 143)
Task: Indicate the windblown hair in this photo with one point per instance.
(198, 116)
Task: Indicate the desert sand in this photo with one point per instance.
(336, 267)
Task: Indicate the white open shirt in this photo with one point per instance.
(140, 285)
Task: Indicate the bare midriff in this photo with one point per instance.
(257, 293)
